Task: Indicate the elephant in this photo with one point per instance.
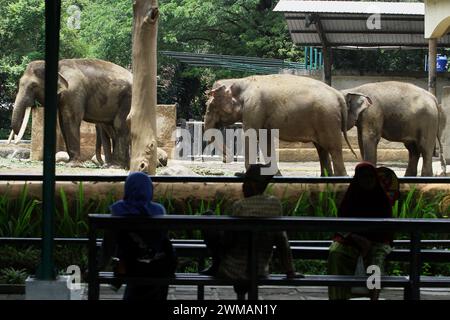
(400, 112)
(93, 90)
(303, 109)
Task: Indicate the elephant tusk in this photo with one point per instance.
(24, 126)
(11, 136)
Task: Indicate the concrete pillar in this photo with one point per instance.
(446, 133)
(58, 289)
(432, 60)
(327, 63)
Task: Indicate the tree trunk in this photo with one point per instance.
(142, 116)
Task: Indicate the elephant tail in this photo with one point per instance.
(442, 119)
(344, 123)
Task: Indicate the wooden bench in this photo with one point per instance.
(411, 284)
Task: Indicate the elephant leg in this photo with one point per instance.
(413, 151)
(269, 152)
(121, 146)
(246, 152)
(426, 148)
(106, 143)
(338, 161)
(325, 162)
(251, 149)
(122, 139)
(70, 123)
(360, 142)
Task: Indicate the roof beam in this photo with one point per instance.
(371, 45)
(315, 19)
(360, 32)
(360, 18)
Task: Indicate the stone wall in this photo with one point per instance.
(87, 137)
(166, 122)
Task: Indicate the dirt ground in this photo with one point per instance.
(306, 169)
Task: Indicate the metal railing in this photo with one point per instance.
(213, 179)
(254, 225)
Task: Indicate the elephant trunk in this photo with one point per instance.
(17, 119)
(20, 106)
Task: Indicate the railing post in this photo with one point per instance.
(414, 267)
(200, 287)
(253, 292)
(93, 284)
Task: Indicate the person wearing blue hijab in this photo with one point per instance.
(138, 198)
(148, 253)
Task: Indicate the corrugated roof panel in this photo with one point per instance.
(306, 39)
(403, 8)
(350, 27)
(359, 25)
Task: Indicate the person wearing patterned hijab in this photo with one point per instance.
(366, 197)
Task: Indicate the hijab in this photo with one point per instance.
(363, 202)
(138, 197)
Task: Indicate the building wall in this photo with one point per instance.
(437, 18)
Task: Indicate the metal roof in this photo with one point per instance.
(367, 7)
(345, 23)
(240, 63)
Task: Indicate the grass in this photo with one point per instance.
(13, 276)
(19, 218)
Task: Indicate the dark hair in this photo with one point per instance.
(254, 182)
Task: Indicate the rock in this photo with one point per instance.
(162, 158)
(6, 152)
(20, 153)
(62, 156)
(177, 170)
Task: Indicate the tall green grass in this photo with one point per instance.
(21, 216)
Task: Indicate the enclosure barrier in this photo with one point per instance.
(254, 225)
(415, 240)
(213, 179)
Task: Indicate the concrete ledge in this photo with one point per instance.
(310, 154)
(51, 290)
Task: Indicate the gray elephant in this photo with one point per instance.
(400, 112)
(303, 109)
(92, 90)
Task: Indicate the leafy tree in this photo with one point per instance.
(107, 26)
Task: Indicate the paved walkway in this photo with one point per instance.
(265, 293)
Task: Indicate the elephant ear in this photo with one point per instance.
(216, 92)
(356, 104)
(63, 84)
(232, 94)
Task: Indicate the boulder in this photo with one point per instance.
(6, 152)
(20, 153)
(162, 158)
(62, 156)
(177, 170)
